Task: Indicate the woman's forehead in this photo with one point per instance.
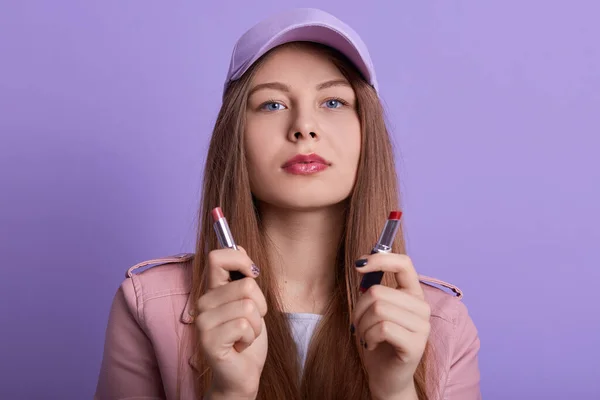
(297, 62)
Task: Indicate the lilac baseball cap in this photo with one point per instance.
(301, 24)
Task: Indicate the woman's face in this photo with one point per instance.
(301, 104)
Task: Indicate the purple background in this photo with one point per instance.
(105, 113)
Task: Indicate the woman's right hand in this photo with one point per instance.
(231, 325)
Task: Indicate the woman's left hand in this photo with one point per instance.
(393, 324)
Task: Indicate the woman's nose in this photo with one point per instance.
(299, 135)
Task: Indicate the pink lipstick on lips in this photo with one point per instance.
(305, 164)
(384, 245)
(224, 237)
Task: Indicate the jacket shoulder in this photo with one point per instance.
(168, 279)
(454, 341)
(161, 276)
(444, 298)
(155, 262)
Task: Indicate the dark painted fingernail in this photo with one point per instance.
(352, 330)
(361, 262)
(362, 342)
(255, 270)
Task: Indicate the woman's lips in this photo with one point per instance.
(304, 168)
(305, 164)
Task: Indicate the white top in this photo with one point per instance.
(303, 326)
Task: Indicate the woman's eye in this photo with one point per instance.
(272, 106)
(334, 103)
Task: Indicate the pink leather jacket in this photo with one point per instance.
(151, 312)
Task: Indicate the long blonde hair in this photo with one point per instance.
(333, 368)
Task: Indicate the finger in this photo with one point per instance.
(403, 341)
(383, 311)
(399, 264)
(243, 344)
(246, 288)
(237, 275)
(399, 298)
(236, 334)
(244, 308)
(223, 261)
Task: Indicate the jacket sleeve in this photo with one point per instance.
(129, 368)
(464, 376)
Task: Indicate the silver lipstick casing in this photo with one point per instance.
(225, 239)
(384, 245)
(386, 239)
(224, 235)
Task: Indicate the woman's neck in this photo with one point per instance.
(302, 248)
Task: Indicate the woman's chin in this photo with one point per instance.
(302, 202)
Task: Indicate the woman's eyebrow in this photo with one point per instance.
(334, 82)
(269, 85)
(285, 88)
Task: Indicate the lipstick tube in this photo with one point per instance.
(225, 237)
(383, 245)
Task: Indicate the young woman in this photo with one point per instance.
(301, 163)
